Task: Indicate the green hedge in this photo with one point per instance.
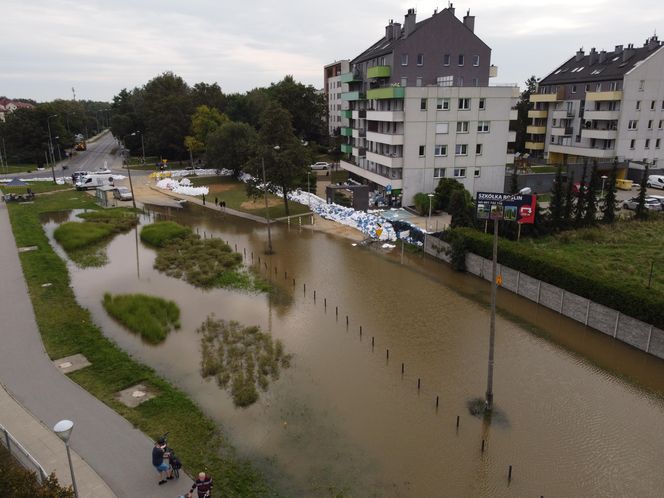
(608, 290)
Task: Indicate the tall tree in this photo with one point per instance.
(641, 211)
(462, 209)
(230, 146)
(444, 190)
(580, 197)
(523, 106)
(204, 121)
(609, 209)
(557, 205)
(590, 215)
(209, 95)
(569, 203)
(305, 104)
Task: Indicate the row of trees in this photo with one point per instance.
(25, 131)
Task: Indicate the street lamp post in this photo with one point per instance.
(267, 211)
(63, 430)
(124, 158)
(429, 220)
(50, 144)
(308, 189)
(604, 177)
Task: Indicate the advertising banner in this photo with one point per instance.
(508, 207)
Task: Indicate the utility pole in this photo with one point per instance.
(492, 325)
(267, 211)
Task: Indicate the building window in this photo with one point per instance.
(657, 141)
(483, 126)
(598, 87)
(461, 150)
(477, 173)
(476, 60)
(440, 150)
(462, 126)
(647, 143)
(482, 104)
(404, 59)
(633, 124)
(460, 81)
(613, 86)
(638, 105)
(442, 128)
(642, 85)
(423, 104)
(461, 59)
(476, 82)
(420, 59)
(652, 105)
(422, 150)
(573, 88)
(650, 124)
(587, 87)
(418, 81)
(443, 104)
(439, 172)
(661, 122)
(632, 143)
(404, 81)
(459, 172)
(446, 60)
(445, 80)
(464, 104)
(478, 149)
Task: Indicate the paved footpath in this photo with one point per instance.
(111, 446)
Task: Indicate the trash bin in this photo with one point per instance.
(624, 184)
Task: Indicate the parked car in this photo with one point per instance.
(651, 204)
(321, 165)
(658, 198)
(122, 194)
(655, 181)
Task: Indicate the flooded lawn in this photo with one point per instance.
(577, 413)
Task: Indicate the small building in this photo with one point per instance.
(104, 196)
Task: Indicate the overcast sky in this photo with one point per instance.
(48, 47)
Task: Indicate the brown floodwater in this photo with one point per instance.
(577, 413)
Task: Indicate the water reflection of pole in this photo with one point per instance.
(138, 270)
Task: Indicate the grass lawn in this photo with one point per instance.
(339, 176)
(67, 329)
(150, 317)
(160, 233)
(18, 168)
(234, 193)
(37, 188)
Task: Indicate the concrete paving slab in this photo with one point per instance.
(71, 363)
(135, 395)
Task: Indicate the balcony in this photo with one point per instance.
(347, 114)
(350, 77)
(379, 72)
(389, 161)
(562, 114)
(390, 92)
(583, 151)
(349, 96)
(536, 130)
(601, 134)
(346, 132)
(361, 114)
(535, 114)
(359, 152)
(535, 145)
(373, 177)
(346, 148)
(389, 116)
(614, 95)
(602, 115)
(511, 136)
(359, 133)
(514, 114)
(546, 97)
(385, 138)
(562, 131)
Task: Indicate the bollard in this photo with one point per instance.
(402, 368)
(372, 342)
(418, 383)
(325, 302)
(482, 445)
(346, 321)
(336, 310)
(305, 288)
(457, 421)
(314, 296)
(388, 354)
(360, 329)
(437, 399)
(509, 474)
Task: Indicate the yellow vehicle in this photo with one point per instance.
(81, 146)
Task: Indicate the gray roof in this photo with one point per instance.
(613, 67)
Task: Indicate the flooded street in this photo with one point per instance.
(578, 414)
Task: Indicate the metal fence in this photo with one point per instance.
(22, 455)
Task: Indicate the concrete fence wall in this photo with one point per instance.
(634, 332)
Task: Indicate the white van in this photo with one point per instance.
(655, 181)
(94, 180)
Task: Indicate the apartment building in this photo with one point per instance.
(421, 109)
(602, 106)
(333, 87)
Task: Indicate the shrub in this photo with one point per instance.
(17, 482)
(422, 203)
(160, 233)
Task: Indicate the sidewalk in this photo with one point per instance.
(118, 453)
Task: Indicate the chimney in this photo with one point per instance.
(653, 43)
(628, 52)
(592, 57)
(469, 21)
(389, 31)
(579, 55)
(619, 49)
(602, 57)
(396, 31)
(409, 23)
(450, 7)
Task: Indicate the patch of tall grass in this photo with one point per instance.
(150, 317)
(162, 232)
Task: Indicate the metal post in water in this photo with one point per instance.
(492, 326)
(305, 288)
(457, 422)
(482, 445)
(437, 400)
(388, 354)
(314, 296)
(509, 474)
(402, 368)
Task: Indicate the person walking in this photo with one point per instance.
(202, 485)
(216, 201)
(158, 454)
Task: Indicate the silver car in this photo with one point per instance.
(122, 193)
(651, 204)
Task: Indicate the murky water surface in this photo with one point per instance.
(578, 414)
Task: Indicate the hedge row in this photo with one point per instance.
(635, 301)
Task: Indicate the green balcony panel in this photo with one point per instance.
(379, 72)
(349, 78)
(347, 114)
(348, 149)
(390, 92)
(352, 96)
(346, 132)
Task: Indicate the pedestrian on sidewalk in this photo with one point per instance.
(203, 199)
(216, 201)
(158, 453)
(202, 485)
